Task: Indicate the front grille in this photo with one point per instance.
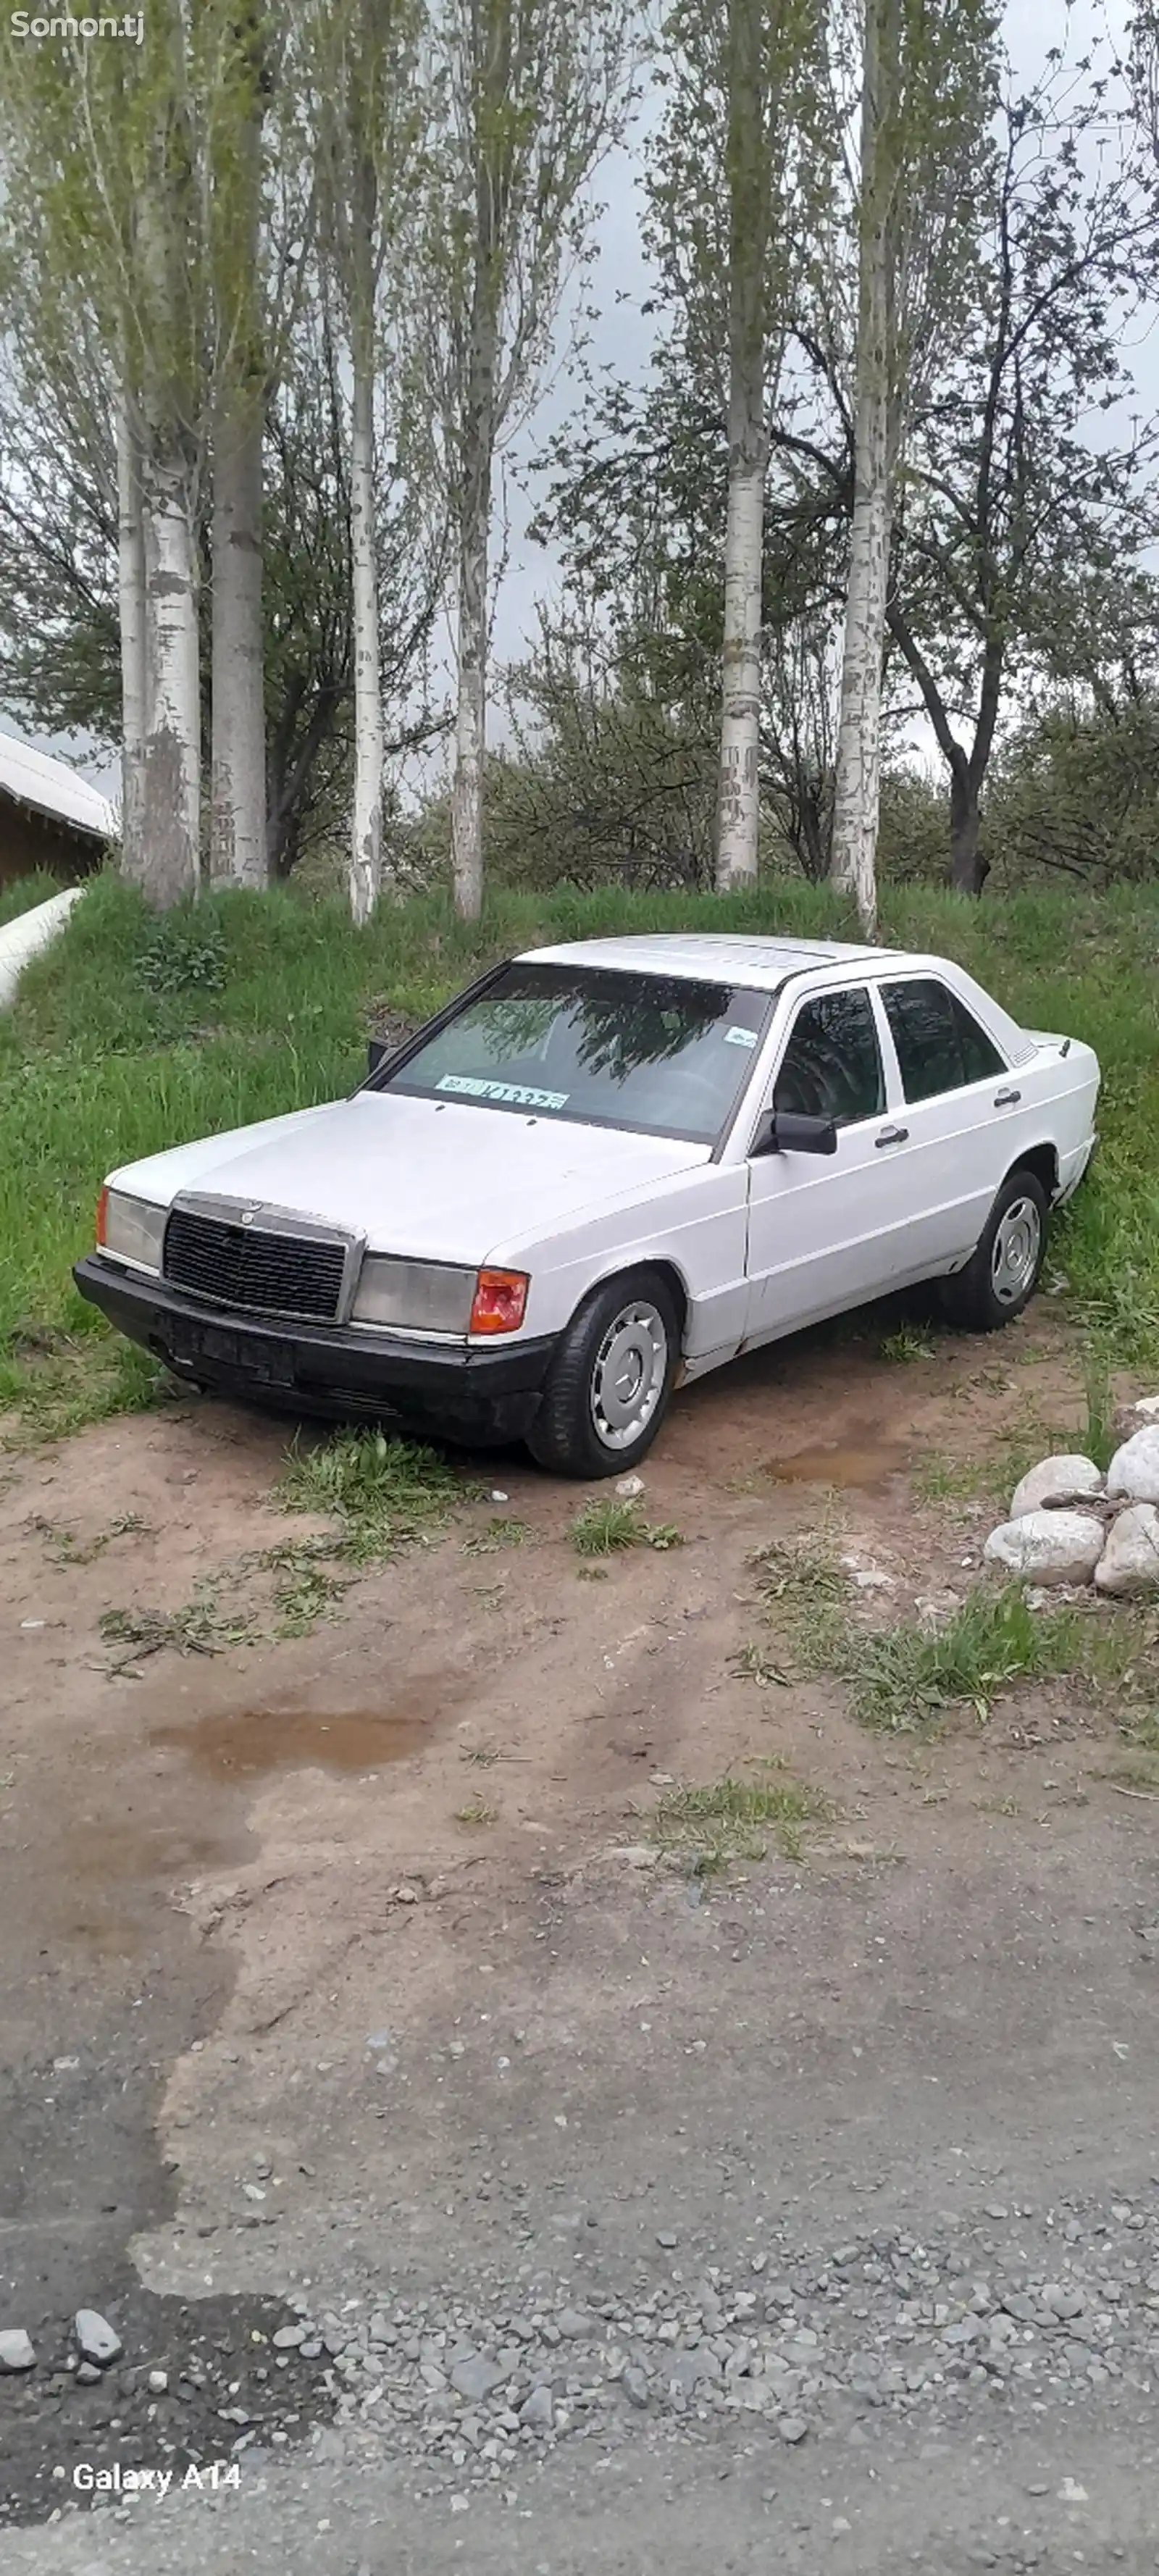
(239, 1265)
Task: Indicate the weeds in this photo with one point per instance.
(731, 1819)
(306, 1588)
(607, 1528)
(501, 1531)
(808, 1594)
(386, 1493)
(751, 1664)
(198, 1628)
(904, 1678)
(477, 1812)
(907, 1343)
(65, 1548)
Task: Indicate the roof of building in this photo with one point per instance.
(49, 786)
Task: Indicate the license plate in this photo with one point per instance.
(269, 1362)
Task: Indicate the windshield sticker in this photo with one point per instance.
(740, 1037)
(471, 1087)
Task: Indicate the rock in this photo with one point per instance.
(629, 1487)
(98, 2340)
(1137, 1416)
(792, 2428)
(634, 2383)
(1134, 1469)
(16, 2351)
(87, 2372)
(1130, 1560)
(574, 2322)
(665, 2237)
(538, 2411)
(476, 2377)
(1047, 1547)
(1068, 1479)
(288, 2338)
(158, 2382)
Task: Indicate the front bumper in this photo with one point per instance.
(458, 1389)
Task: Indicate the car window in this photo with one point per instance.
(940, 1046)
(659, 1054)
(831, 1067)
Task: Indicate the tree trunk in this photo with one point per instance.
(369, 731)
(369, 735)
(238, 822)
(857, 787)
(968, 868)
(132, 611)
(471, 716)
(171, 801)
(738, 799)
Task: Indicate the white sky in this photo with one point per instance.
(617, 287)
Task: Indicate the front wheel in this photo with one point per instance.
(1002, 1275)
(609, 1384)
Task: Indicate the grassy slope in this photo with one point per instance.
(121, 1043)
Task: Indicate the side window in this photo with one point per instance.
(940, 1046)
(831, 1067)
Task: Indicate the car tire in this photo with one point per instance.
(1001, 1276)
(608, 1387)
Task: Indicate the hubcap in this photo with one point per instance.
(1017, 1245)
(628, 1376)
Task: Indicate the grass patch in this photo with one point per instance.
(808, 1596)
(501, 1531)
(907, 1343)
(385, 1493)
(904, 1678)
(65, 1548)
(607, 1528)
(306, 1587)
(199, 1627)
(478, 1811)
(733, 1819)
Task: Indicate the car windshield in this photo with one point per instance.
(654, 1053)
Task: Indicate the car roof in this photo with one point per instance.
(763, 964)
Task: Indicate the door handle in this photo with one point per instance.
(892, 1136)
(1006, 1099)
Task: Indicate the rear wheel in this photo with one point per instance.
(608, 1389)
(1000, 1279)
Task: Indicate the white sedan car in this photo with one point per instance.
(602, 1171)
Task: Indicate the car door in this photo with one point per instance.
(825, 1230)
(961, 1113)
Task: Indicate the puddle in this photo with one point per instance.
(245, 1744)
(860, 1457)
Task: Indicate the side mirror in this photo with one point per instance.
(379, 1051)
(782, 1131)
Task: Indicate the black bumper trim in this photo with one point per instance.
(491, 1394)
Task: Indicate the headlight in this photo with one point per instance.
(131, 1229)
(415, 1296)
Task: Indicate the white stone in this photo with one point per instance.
(1134, 1469)
(98, 2340)
(1130, 1559)
(16, 2351)
(1048, 1547)
(1068, 1479)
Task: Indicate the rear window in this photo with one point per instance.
(653, 1053)
(940, 1046)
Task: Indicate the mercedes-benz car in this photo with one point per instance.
(605, 1169)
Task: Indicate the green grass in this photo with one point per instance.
(128, 1036)
(903, 1679)
(808, 1597)
(907, 1344)
(607, 1528)
(733, 1819)
(25, 892)
(385, 1493)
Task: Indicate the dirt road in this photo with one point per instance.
(347, 2000)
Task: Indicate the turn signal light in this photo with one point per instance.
(500, 1301)
(102, 1212)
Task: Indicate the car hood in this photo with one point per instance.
(436, 1180)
